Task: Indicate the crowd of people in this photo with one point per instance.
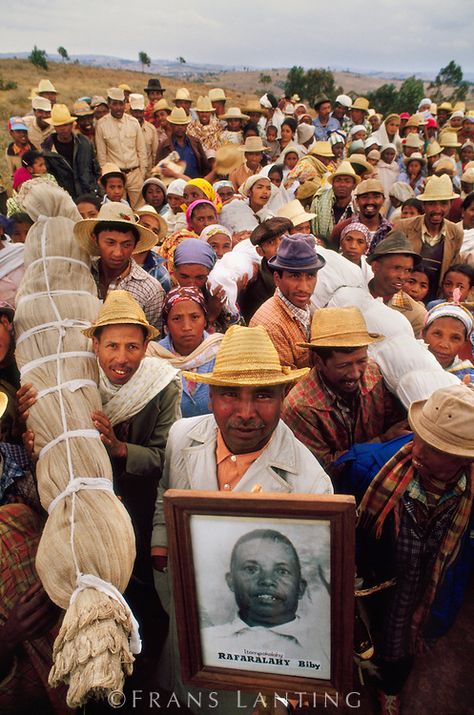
(209, 229)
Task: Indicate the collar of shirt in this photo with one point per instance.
(292, 630)
(400, 300)
(416, 491)
(430, 240)
(337, 400)
(302, 315)
(232, 467)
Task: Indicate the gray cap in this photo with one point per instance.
(395, 242)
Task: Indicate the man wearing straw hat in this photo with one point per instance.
(189, 149)
(343, 400)
(333, 204)
(150, 136)
(415, 523)
(112, 238)
(438, 240)
(206, 128)
(242, 446)
(252, 155)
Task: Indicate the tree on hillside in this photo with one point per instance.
(64, 53)
(384, 99)
(181, 60)
(265, 79)
(449, 78)
(38, 58)
(320, 83)
(144, 60)
(295, 82)
(410, 94)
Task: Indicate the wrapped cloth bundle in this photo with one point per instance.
(86, 553)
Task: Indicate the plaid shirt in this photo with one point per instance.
(155, 265)
(146, 290)
(328, 426)
(302, 315)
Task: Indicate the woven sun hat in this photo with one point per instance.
(203, 104)
(345, 168)
(46, 86)
(60, 115)
(113, 212)
(178, 116)
(253, 144)
(228, 157)
(416, 156)
(148, 210)
(247, 356)
(361, 103)
(294, 211)
(97, 100)
(110, 169)
(433, 149)
(322, 149)
(82, 108)
(449, 140)
(340, 328)
(370, 186)
(394, 243)
(447, 106)
(120, 308)
(182, 94)
(444, 420)
(3, 403)
(217, 95)
(438, 188)
(414, 141)
(254, 106)
(234, 113)
(162, 104)
(126, 87)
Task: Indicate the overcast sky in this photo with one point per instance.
(370, 34)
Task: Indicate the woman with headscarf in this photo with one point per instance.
(243, 215)
(387, 171)
(188, 346)
(175, 216)
(201, 189)
(388, 133)
(218, 237)
(154, 194)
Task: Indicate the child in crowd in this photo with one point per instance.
(272, 143)
(353, 245)
(113, 184)
(218, 237)
(20, 225)
(412, 208)
(417, 284)
(33, 165)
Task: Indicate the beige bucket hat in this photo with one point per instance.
(178, 116)
(339, 328)
(234, 113)
(448, 140)
(438, 188)
(253, 144)
(113, 212)
(322, 149)
(45, 85)
(433, 149)
(120, 308)
(345, 168)
(254, 106)
(60, 115)
(182, 94)
(294, 211)
(162, 104)
(203, 104)
(361, 103)
(116, 94)
(217, 95)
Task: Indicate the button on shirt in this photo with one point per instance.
(121, 142)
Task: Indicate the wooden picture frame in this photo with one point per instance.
(203, 528)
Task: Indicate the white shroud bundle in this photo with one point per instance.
(86, 553)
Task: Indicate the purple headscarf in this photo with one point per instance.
(193, 250)
(191, 207)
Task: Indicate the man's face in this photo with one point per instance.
(296, 287)
(161, 116)
(353, 246)
(191, 275)
(41, 115)
(154, 95)
(234, 125)
(204, 118)
(87, 210)
(115, 249)
(442, 116)
(430, 462)
(370, 204)
(138, 114)
(64, 132)
(178, 131)
(219, 106)
(85, 124)
(266, 581)
(6, 332)
(150, 221)
(117, 108)
(417, 285)
(390, 273)
(49, 95)
(253, 159)
(436, 212)
(184, 103)
(357, 116)
(20, 137)
(120, 350)
(324, 110)
(339, 111)
(343, 371)
(100, 111)
(246, 416)
(343, 186)
(304, 228)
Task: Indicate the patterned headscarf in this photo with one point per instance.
(191, 207)
(180, 294)
(213, 230)
(356, 226)
(208, 191)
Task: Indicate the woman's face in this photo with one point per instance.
(192, 193)
(186, 324)
(191, 275)
(467, 154)
(409, 212)
(202, 216)
(221, 244)
(468, 216)
(174, 202)
(154, 196)
(161, 117)
(361, 134)
(388, 156)
(392, 127)
(286, 133)
(291, 160)
(259, 194)
(445, 337)
(275, 178)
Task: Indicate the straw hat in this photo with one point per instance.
(97, 100)
(438, 188)
(415, 121)
(137, 101)
(116, 94)
(80, 109)
(446, 164)
(46, 86)
(120, 308)
(345, 168)
(447, 106)
(247, 356)
(433, 149)
(253, 144)
(413, 141)
(294, 211)
(416, 156)
(370, 186)
(234, 113)
(178, 116)
(148, 210)
(361, 103)
(444, 420)
(114, 212)
(203, 104)
(217, 95)
(60, 115)
(361, 161)
(3, 403)
(322, 149)
(394, 243)
(468, 176)
(228, 158)
(254, 106)
(339, 328)
(109, 169)
(162, 104)
(448, 140)
(182, 94)
(125, 87)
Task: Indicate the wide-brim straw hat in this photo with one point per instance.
(120, 308)
(60, 115)
(322, 149)
(294, 211)
(228, 158)
(234, 113)
(147, 210)
(114, 212)
(446, 106)
(254, 106)
(416, 120)
(361, 103)
(108, 169)
(45, 85)
(340, 328)
(448, 140)
(182, 94)
(3, 403)
(438, 188)
(247, 357)
(81, 109)
(444, 420)
(203, 104)
(178, 116)
(345, 168)
(413, 141)
(253, 144)
(433, 149)
(217, 95)
(162, 104)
